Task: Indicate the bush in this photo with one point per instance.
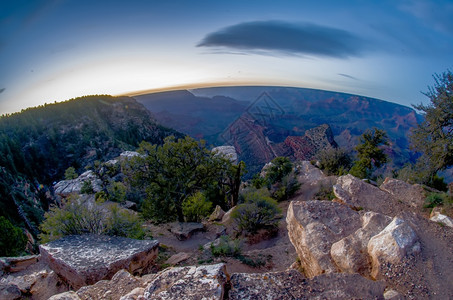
(325, 193)
(124, 223)
(12, 239)
(286, 188)
(258, 212)
(87, 187)
(70, 173)
(334, 161)
(196, 207)
(227, 247)
(117, 192)
(434, 199)
(78, 216)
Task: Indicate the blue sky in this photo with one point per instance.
(56, 50)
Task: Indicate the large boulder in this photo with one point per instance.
(194, 282)
(413, 195)
(313, 226)
(86, 259)
(359, 195)
(217, 214)
(350, 253)
(66, 187)
(292, 285)
(391, 245)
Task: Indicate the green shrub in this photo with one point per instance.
(285, 189)
(334, 161)
(87, 187)
(434, 199)
(78, 216)
(70, 173)
(280, 167)
(117, 192)
(325, 193)
(258, 212)
(12, 239)
(227, 247)
(124, 223)
(196, 207)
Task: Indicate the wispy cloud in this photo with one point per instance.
(290, 38)
(348, 76)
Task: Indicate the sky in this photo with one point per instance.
(54, 50)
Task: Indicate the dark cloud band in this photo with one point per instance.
(306, 39)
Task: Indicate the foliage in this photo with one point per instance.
(369, 153)
(434, 136)
(70, 173)
(79, 216)
(38, 144)
(334, 161)
(196, 207)
(124, 223)
(257, 212)
(434, 199)
(87, 187)
(12, 239)
(171, 173)
(117, 192)
(280, 179)
(279, 168)
(325, 193)
(227, 247)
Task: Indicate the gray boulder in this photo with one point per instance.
(313, 226)
(350, 253)
(391, 245)
(442, 219)
(411, 194)
(228, 152)
(66, 187)
(86, 259)
(194, 282)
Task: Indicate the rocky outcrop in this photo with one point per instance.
(359, 195)
(195, 282)
(313, 226)
(350, 253)
(292, 285)
(66, 187)
(228, 152)
(411, 194)
(391, 245)
(16, 264)
(442, 219)
(86, 259)
(184, 231)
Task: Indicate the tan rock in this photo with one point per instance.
(135, 294)
(350, 253)
(200, 282)
(313, 226)
(393, 295)
(442, 219)
(71, 295)
(412, 194)
(121, 283)
(177, 258)
(226, 219)
(217, 214)
(359, 195)
(391, 245)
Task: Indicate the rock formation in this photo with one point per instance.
(66, 187)
(86, 259)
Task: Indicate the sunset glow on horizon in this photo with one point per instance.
(57, 50)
